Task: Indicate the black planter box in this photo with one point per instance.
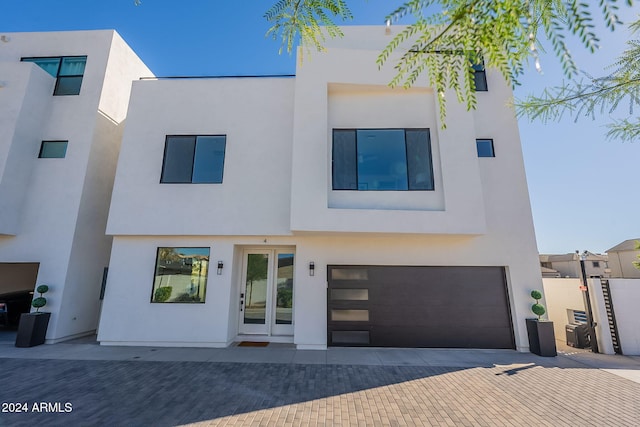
(32, 329)
(542, 340)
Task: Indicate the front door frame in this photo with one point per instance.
(270, 327)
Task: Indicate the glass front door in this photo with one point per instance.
(266, 292)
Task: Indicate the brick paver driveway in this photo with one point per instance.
(119, 393)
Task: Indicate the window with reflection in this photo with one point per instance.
(382, 159)
(196, 159)
(479, 77)
(67, 70)
(181, 275)
(53, 150)
(485, 148)
(284, 294)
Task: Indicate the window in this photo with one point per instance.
(382, 159)
(480, 77)
(181, 275)
(68, 71)
(193, 159)
(53, 150)
(596, 264)
(485, 148)
(579, 316)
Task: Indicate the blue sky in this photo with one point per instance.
(583, 188)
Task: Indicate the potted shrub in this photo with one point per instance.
(542, 340)
(32, 328)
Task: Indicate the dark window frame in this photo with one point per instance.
(493, 149)
(193, 159)
(42, 148)
(58, 76)
(430, 151)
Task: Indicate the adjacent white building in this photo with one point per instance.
(322, 209)
(63, 101)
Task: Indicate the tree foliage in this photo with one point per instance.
(595, 95)
(448, 36)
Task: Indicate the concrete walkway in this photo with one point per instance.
(279, 385)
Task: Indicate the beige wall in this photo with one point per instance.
(621, 264)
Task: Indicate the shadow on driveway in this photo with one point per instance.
(176, 393)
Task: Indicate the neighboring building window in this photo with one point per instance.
(193, 159)
(596, 264)
(68, 71)
(382, 159)
(181, 275)
(480, 77)
(485, 148)
(53, 150)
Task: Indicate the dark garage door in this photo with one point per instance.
(393, 306)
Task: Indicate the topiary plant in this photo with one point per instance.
(40, 301)
(162, 294)
(537, 308)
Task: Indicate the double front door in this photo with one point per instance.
(266, 292)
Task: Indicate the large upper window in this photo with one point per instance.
(181, 275)
(485, 148)
(193, 159)
(68, 71)
(382, 159)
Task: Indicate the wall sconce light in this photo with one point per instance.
(312, 268)
(220, 266)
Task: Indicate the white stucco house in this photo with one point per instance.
(63, 100)
(320, 209)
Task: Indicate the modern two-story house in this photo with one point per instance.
(63, 101)
(321, 209)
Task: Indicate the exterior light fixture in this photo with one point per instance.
(312, 268)
(220, 266)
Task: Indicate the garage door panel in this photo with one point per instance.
(428, 306)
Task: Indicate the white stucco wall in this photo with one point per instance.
(254, 198)
(319, 106)
(625, 294)
(24, 103)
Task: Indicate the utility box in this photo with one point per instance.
(577, 335)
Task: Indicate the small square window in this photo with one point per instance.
(181, 275)
(485, 148)
(596, 264)
(193, 159)
(53, 150)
